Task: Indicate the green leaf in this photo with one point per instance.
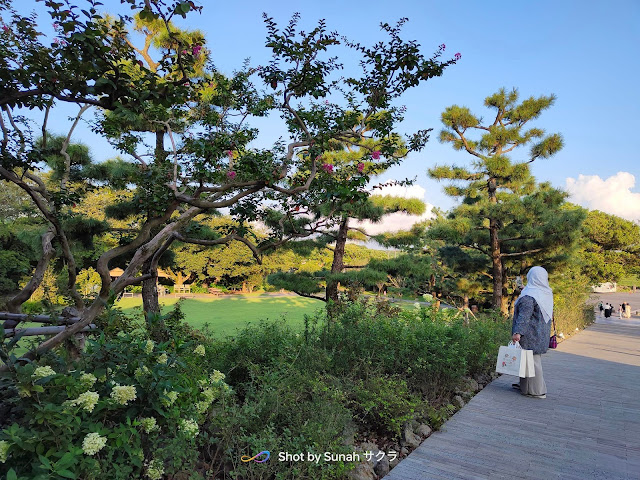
(66, 474)
(11, 475)
(45, 461)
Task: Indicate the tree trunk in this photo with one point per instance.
(496, 258)
(150, 303)
(14, 305)
(338, 260)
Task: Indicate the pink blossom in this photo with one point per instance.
(319, 157)
(184, 52)
(458, 56)
(443, 46)
(375, 154)
(231, 174)
(229, 154)
(196, 49)
(360, 167)
(5, 28)
(327, 167)
(326, 102)
(56, 41)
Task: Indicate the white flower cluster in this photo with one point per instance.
(148, 347)
(199, 350)
(141, 372)
(123, 394)
(171, 398)
(189, 427)
(87, 401)
(93, 443)
(216, 376)
(87, 380)
(149, 424)
(42, 372)
(4, 451)
(163, 358)
(155, 470)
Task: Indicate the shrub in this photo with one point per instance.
(113, 413)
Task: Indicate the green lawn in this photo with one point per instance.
(226, 315)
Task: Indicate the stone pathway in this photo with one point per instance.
(588, 427)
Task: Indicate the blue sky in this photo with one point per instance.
(586, 53)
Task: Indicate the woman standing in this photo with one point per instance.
(532, 327)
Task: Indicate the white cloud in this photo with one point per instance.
(612, 195)
(397, 221)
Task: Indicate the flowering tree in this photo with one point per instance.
(208, 164)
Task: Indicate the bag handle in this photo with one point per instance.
(553, 319)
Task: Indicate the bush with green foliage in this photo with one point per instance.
(160, 397)
(136, 404)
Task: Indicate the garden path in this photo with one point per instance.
(588, 427)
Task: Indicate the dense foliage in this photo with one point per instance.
(163, 398)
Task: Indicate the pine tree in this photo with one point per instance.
(504, 214)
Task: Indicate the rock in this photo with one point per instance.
(369, 447)
(394, 462)
(471, 384)
(423, 430)
(404, 452)
(458, 401)
(382, 467)
(480, 386)
(363, 471)
(409, 438)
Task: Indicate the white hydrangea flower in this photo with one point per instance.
(148, 346)
(155, 470)
(141, 372)
(4, 450)
(217, 376)
(93, 443)
(163, 358)
(87, 380)
(149, 424)
(42, 372)
(189, 427)
(123, 394)
(171, 398)
(210, 395)
(199, 350)
(202, 406)
(87, 401)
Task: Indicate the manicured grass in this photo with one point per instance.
(226, 315)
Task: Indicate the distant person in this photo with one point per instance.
(607, 310)
(600, 307)
(627, 310)
(621, 310)
(532, 328)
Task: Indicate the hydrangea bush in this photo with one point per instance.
(130, 407)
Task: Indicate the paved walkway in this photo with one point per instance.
(588, 427)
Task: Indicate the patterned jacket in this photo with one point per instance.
(529, 323)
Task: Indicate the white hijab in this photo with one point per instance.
(538, 288)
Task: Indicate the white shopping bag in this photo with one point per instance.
(513, 360)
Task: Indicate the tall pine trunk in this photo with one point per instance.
(496, 257)
(338, 260)
(150, 302)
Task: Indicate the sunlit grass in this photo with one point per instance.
(225, 316)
